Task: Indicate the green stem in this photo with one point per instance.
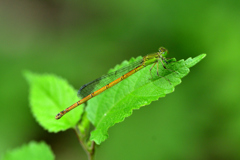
(83, 132)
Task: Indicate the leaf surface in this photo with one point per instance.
(115, 104)
(33, 150)
(50, 94)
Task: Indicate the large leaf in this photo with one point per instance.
(117, 103)
(50, 94)
(33, 150)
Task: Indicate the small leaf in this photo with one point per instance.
(117, 103)
(49, 95)
(33, 150)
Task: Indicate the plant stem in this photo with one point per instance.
(82, 132)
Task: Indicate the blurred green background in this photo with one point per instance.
(82, 40)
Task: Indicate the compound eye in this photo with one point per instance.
(162, 49)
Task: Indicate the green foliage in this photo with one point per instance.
(33, 150)
(50, 94)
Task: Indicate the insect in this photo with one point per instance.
(107, 81)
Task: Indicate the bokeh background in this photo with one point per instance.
(82, 40)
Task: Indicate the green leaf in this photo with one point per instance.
(50, 94)
(33, 150)
(117, 103)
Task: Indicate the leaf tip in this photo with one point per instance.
(190, 62)
(203, 55)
